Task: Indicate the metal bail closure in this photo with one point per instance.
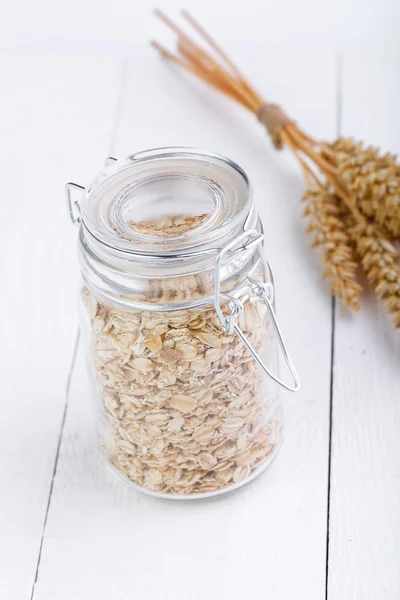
(265, 293)
(74, 210)
(73, 205)
(109, 161)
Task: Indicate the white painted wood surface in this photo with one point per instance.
(68, 530)
(56, 119)
(364, 556)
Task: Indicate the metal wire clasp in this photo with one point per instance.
(74, 209)
(73, 205)
(264, 291)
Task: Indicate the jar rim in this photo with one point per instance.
(194, 179)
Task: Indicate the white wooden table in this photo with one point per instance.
(324, 522)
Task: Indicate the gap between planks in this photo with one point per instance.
(339, 104)
(60, 436)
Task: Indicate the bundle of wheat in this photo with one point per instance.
(353, 191)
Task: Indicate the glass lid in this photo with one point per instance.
(165, 201)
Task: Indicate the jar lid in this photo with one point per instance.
(166, 202)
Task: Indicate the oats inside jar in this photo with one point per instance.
(184, 404)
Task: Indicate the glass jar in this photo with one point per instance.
(178, 323)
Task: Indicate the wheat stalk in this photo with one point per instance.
(373, 179)
(323, 210)
(379, 260)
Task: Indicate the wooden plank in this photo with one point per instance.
(103, 540)
(56, 115)
(365, 489)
